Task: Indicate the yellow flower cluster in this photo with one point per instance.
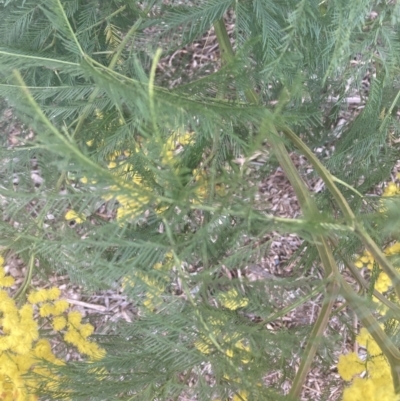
(371, 379)
(132, 204)
(20, 331)
(71, 215)
(137, 196)
(77, 334)
(232, 300)
(392, 189)
(21, 347)
(153, 296)
(173, 145)
(5, 281)
(202, 186)
(240, 396)
(133, 201)
(383, 282)
(225, 341)
(206, 346)
(376, 383)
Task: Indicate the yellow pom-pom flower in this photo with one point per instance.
(46, 310)
(232, 300)
(38, 296)
(60, 306)
(53, 293)
(59, 323)
(71, 215)
(75, 318)
(21, 349)
(350, 365)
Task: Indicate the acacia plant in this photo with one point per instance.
(162, 210)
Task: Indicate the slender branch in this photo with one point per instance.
(27, 279)
(65, 140)
(113, 14)
(314, 340)
(67, 24)
(36, 58)
(111, 66)
(295, 304)
(92, 97)
(329, 181)
(309, 209)
(365, 285)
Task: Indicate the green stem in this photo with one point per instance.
(108, 17)
(329, 181)
(314, 340)
(27, 279)
(85, 113)
(309, 209)
(365, 285)
(295, 304)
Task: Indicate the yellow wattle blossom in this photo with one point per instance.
(172, 143)
(21, 349)
(46, 310)
(392, 189)
(350, 365)
(5, 281)
(383, 282)
(60, 306)
(75, 318)
(239, 348)
(86, 330)
(201, 192)
(131, 206)
(137, 195)
(59, 323)
(77, 334)
(134, 199)
(232, 300)
(377, 384)
(77, 217)
(367, 341)
(243, 349)
(204, 345)
(153, 297)
(85, 180)
(241, 396)
(393, 249)
(43, 295)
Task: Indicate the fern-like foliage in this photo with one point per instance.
(163, 210)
